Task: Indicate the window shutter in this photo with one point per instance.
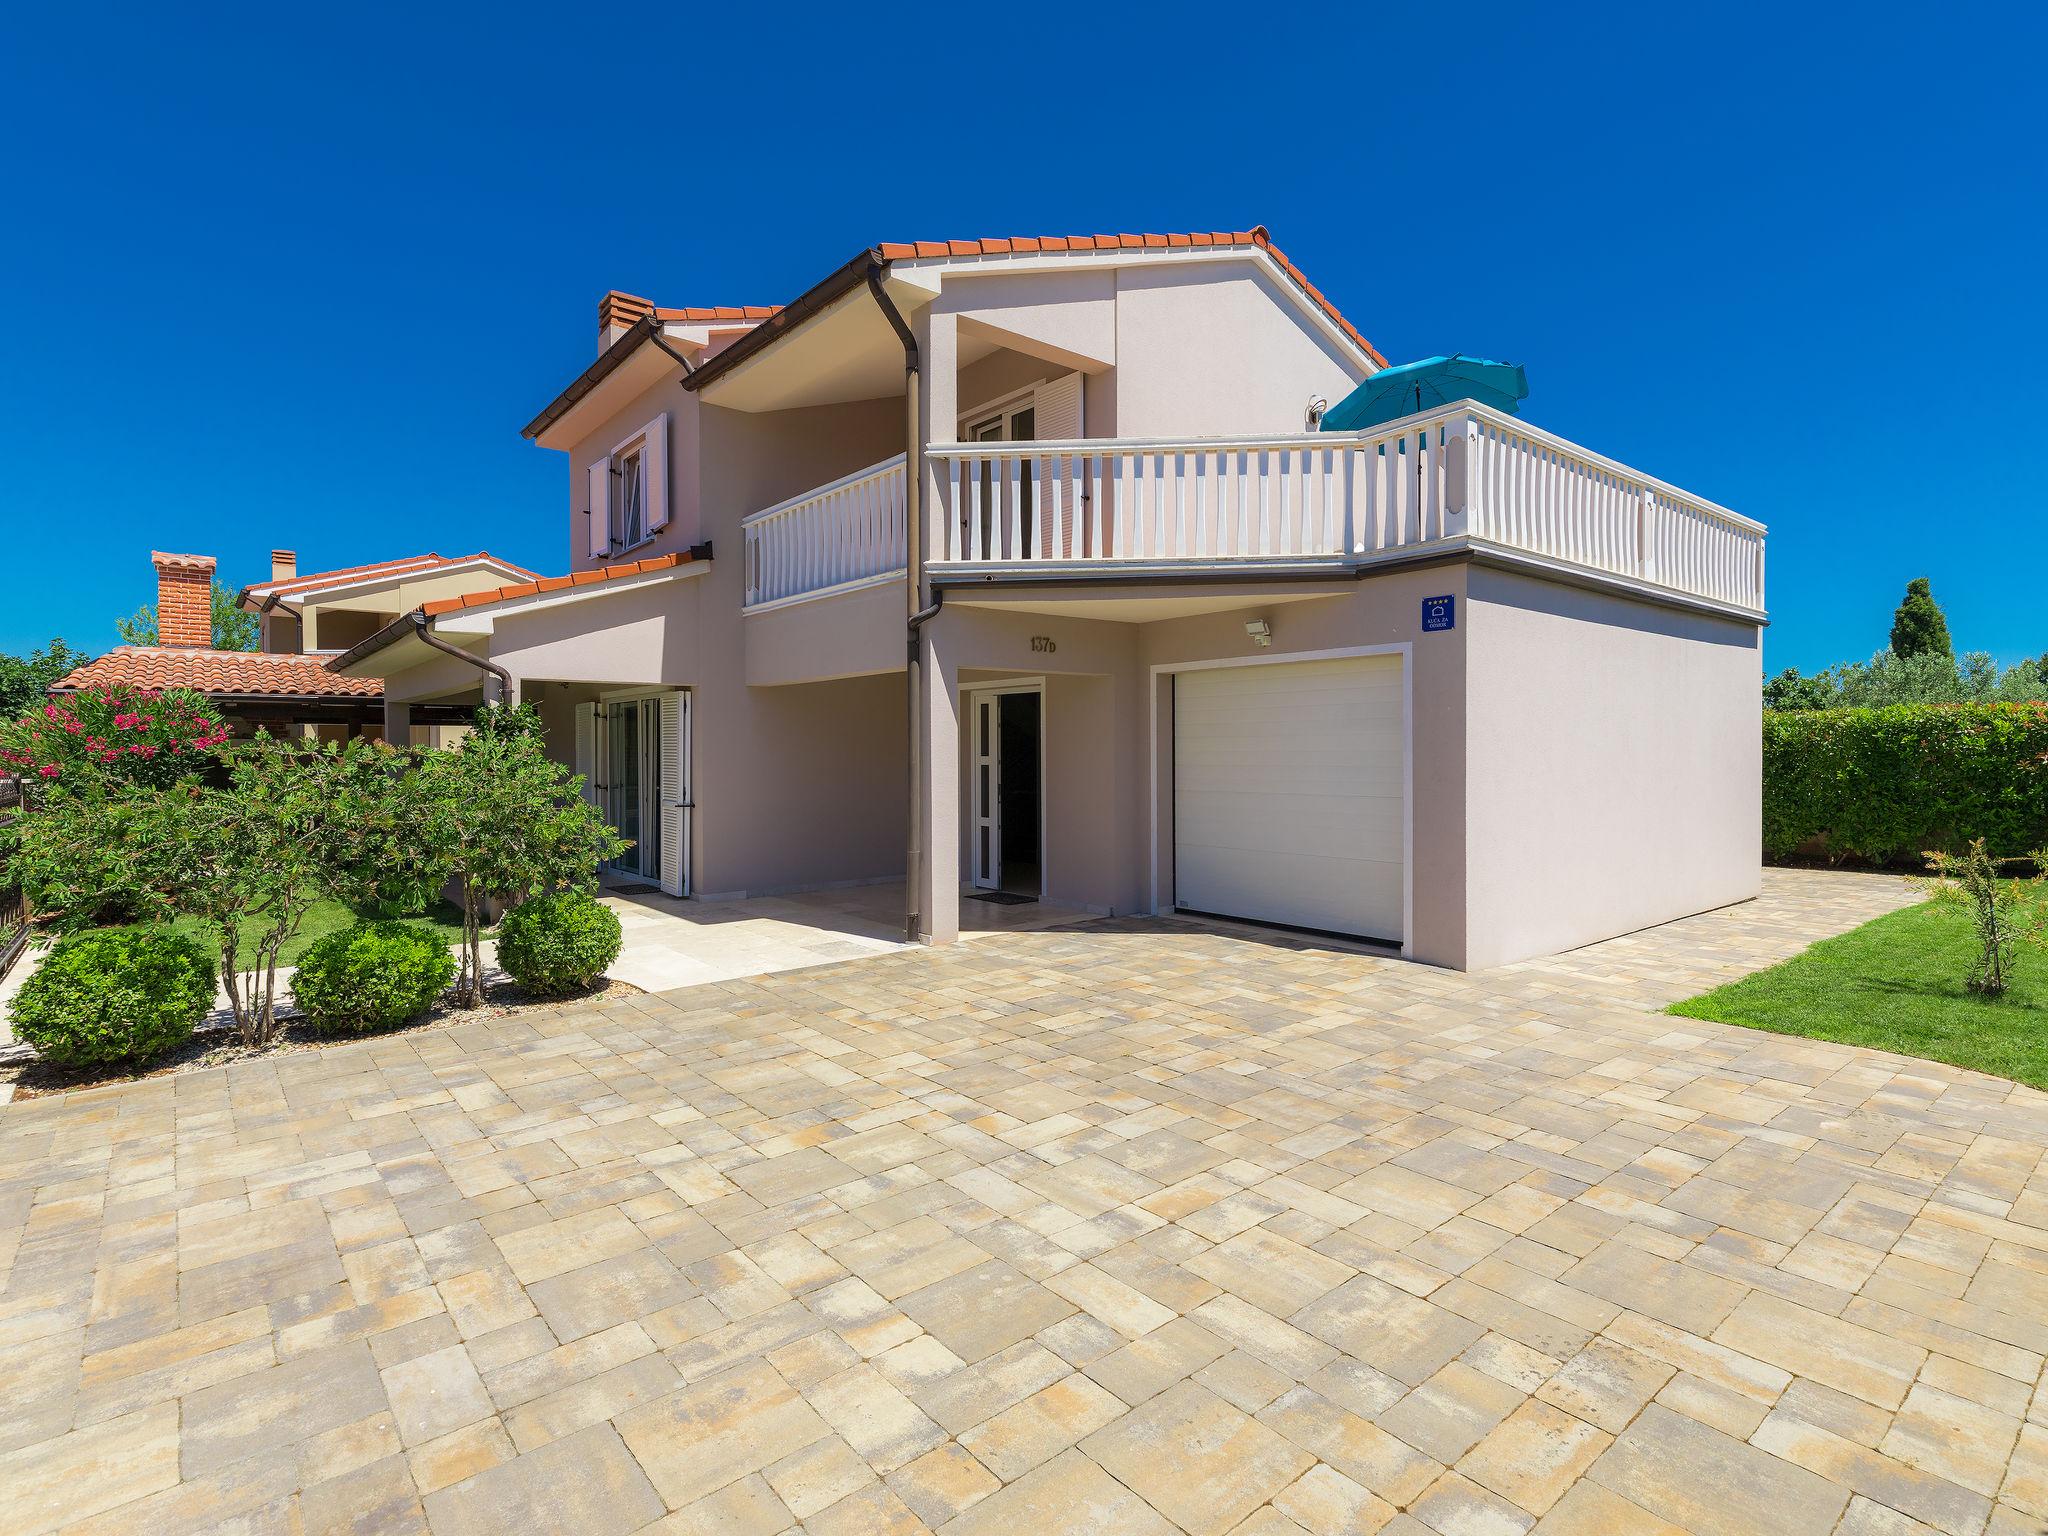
(586, 749)
(654, 472)
(1056, 409)
(600, 506)
(675, 793)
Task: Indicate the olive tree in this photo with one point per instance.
(503, 821)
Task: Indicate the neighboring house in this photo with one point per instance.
(286, 687)
(1453, 684)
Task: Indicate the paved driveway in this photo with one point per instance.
(1134, 1228)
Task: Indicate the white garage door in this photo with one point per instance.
(1287, 804)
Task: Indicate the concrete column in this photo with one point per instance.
(397, 723)
(938, 893)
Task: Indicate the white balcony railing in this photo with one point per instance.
(1462, 473)
(838, 534)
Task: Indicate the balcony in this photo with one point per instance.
(1460, 477)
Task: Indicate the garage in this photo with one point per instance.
(1289, 795)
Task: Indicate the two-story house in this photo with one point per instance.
(1018, 568)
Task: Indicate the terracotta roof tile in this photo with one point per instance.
(535, 588)
(408, 563)
(240, 674)
(1198, 240)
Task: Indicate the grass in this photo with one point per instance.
(324, 917)
(1897, 984)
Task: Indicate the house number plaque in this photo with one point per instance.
(1043, 644)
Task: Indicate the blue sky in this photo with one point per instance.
(274, 281)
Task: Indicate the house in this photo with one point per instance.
(1017, 565)
(285, 686)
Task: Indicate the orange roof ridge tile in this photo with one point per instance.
(543, 584)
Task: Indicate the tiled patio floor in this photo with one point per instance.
(1135, 1228)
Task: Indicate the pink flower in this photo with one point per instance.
(51, 711)
(49, 770)
(74, 727)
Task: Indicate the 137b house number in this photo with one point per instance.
(1043, 643)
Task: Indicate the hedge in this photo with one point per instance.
(1887, 784)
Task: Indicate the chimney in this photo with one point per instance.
(284, 565)
(184, 600)
(617, 313)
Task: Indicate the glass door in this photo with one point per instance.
(632, 739)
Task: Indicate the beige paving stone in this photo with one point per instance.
(587, 1482)
(1587, 1509)
(883, 1425)
(985, 1309)
(54, 1482)
(1156, 1158)
(1856, 1360)
(818, 1476)
(459, 1455)
(277, 1408)
(942, 1483)
(1709, 1484)
(872, 1511)
(1606, 1384)
(1196, 1459)
(1069, 1494)
(1451, 1412)
(1039, 1428)
(1533, 1455)
(695, 1441)
(1326, 1502)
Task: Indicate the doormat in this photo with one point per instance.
(1003, 898)
(632, 890)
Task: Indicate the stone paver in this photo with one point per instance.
(1125, 1227)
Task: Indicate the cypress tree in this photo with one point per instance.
(1918, 627)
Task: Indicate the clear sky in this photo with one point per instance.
(297, 275)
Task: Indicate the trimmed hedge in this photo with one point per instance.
(115, 996)
(373, 975)
(1887, 784)
(559, 943)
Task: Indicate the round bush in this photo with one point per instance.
(115, 997)
(559, 943)
(375, 975)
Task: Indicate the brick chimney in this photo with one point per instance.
(284, 565)
(617, 313)
(184, 600)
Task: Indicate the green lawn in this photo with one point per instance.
(324, 918)
(1896, 984)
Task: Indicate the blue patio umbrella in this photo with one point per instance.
(1396, 392)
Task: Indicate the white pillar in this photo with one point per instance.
(938, 893)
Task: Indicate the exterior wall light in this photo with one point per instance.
(1260, 631)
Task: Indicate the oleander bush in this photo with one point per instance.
(371, 976)
(1885, 785)
(115, 997)
(558, 943)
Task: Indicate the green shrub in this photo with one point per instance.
(116, 997)
(559, 943)
(374, 975)
(1887, 784)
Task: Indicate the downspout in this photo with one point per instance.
(916, 612)
(656, 337)
(508, 692)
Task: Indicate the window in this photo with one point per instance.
(629, 521)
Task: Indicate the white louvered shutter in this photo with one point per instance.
(1056, 417)
(586, 749)
(675, 793)
(654, 471)
(600, 506)
(1056, 409)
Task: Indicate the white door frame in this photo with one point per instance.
(991, 814)
(648, 703)
(1162, 808)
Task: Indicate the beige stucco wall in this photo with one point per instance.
(1615, 770)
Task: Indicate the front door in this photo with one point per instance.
(1007, 836)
